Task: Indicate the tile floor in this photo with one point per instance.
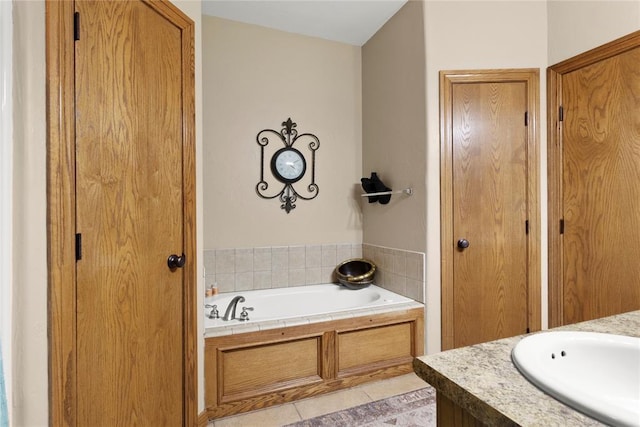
(287, 413)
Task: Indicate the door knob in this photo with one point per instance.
(174, 261)
(463, 243)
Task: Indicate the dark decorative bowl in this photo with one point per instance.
(356, 273)
(355, 285)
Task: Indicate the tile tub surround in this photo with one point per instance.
(483, 380)
(242, 269)
(399, 271)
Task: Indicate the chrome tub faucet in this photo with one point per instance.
(230, 312)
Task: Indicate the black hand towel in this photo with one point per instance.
(369, 187)
(380, 187)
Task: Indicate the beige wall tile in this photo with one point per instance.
(297, 277)
(343, 253)
(415, 290)
(244, 281)
(280, 258)
(226, 282)
(400, 263)
(329, 256)
(296, 257)
(313, 256)
(279, 278)
(210, 261)
(262, 259)
(262, 279)
(244, 260)
(328, 275)
(225, 261)
(313, 276)
(356, 251)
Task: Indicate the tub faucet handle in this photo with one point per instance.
(213, 314)
(244, 315)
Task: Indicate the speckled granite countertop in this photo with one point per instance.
(483, 380)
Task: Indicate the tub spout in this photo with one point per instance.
(230, 312)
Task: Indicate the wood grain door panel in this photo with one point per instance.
(129, 211)
(489, 193)
(120, 148)
(601, 188)
(489, 210)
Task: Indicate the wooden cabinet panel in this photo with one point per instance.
(449, 414)
(260, 368)
(374, 345)
(254, 370)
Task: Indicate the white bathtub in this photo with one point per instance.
(303, 303)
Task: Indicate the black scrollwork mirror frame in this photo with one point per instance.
(288, 135)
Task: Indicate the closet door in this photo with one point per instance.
(130, 202)
(488, 209)
(601, 188)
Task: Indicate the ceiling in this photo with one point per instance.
(347, 21)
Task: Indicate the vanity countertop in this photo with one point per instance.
(483, 380)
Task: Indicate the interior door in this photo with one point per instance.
(129, 215)
(487, 224)
(601, 188)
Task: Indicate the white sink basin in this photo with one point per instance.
(597, 374)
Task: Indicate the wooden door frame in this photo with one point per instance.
(555, 75)
(59, 20)
(531, 78)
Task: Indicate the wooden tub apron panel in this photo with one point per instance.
(253, 370)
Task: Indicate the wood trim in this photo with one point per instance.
(531, 77)
(554, 153)
(446, 212)
(534, 285)
(554, 195)
(61, 209)
(597, 54)
(203, 419)
(187, 26)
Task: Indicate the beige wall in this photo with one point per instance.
(29, 387)
(577, 26)
(475, 35)
(255, 78)
(394, 129)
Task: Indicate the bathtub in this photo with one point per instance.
(306, 303)
(328, 337)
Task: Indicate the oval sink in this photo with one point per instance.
(594, 373)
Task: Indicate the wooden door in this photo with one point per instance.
(490, 229)
(600, 198)
(133, 175)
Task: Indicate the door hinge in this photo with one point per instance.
(562, 226)
(78, 246)
(526, 118)
(76, 26)
(561, 114)
(526, 227)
